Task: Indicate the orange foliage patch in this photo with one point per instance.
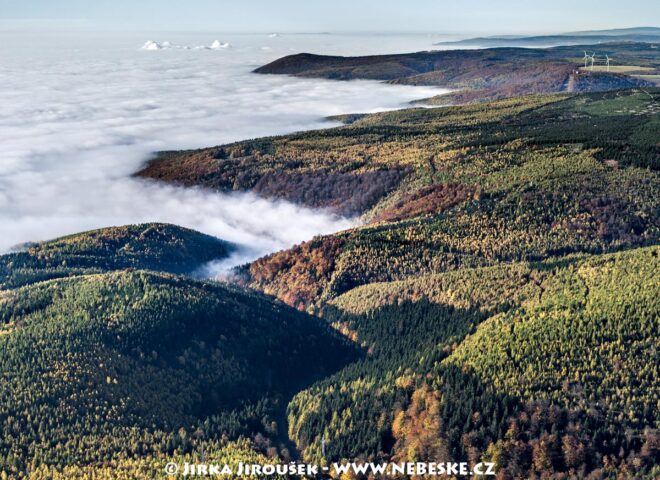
(427, 200)
(299, 275)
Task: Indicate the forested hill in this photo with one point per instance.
(112, 372)
(547, 368)
(153, 246)
(513, 180)
(429, 159)
(489, 73)
(499, 303)
(506, 289)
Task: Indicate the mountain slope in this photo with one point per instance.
(498, 303)
(127, 361)
(541, 367)
(367, 166)
(115, 369)
(505, 184)
(504, 290)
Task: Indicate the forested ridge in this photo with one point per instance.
(499, 303)
(521, 179)
(506, 294)
(540, 366)
(367, 165)
(482, 74)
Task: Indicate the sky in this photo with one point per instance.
(428, 16)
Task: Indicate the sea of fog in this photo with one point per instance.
(80, 113)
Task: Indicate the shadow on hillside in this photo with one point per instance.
(402, 340)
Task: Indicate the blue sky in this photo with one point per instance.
(436, 16)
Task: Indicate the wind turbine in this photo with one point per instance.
(586, 57)
(607, 57)
(592, 60)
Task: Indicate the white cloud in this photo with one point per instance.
(79, 118)
(151, 45)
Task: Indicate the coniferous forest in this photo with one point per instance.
(500, 301)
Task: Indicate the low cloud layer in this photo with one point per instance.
(80, 116)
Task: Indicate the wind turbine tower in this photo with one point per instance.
(592, 61)
(586, 57)
(607, 57)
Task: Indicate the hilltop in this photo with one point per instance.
(503, 282)
(485, 74)
(153, 246)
